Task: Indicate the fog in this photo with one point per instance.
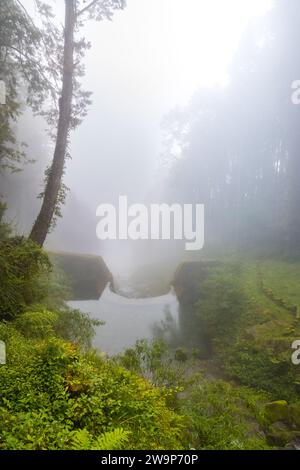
(141, 66)
(149, 225)
(168, 81)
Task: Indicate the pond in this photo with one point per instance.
(127, 319)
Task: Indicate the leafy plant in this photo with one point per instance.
(110, 440)
(37, 324)
(53, 396)
(76, 326)
(21, 263)
(223, 417)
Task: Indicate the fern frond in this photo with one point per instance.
(111, 440)
(81, 440)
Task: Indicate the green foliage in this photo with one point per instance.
(5, 229)
(21, 263)
(145, 357)
(71, 325)
(76, 326)
(251, 335)
(282, 279)
(54, 286)
(110, 440)
(217, 414)
(181, 354)
(259, 368)
(21, 68)
(224, 417)
(36, 324)
(155, 362)
(221, 302)
(29, 283)
(55, 397)
(57, 393)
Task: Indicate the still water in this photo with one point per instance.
(127, 319)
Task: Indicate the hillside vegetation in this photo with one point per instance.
(227, 382)
(248, 319)
(57, 392)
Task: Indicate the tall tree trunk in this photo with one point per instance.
(43, 221)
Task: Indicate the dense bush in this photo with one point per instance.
(36, 324)
(260, 368)
(154, 361)
(76, 326)
(21, 265)
(54, 397)
(251, 337)
(69, 324)
(218, 414)
(53, 394)
(224, 417)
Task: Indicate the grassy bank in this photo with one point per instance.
(247, 313)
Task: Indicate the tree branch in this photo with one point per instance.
(83, 10)
(26, 12)
(38, 65)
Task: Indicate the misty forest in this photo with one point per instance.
(139, 343)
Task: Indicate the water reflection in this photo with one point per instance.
(129, 319)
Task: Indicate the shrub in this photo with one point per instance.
(21, 263)
(155, 362)
(54, 397)
(181, 355)
(37, 324)
(222, 417)
(76, 326)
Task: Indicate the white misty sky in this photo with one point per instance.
(151, 58)
(168, 48)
